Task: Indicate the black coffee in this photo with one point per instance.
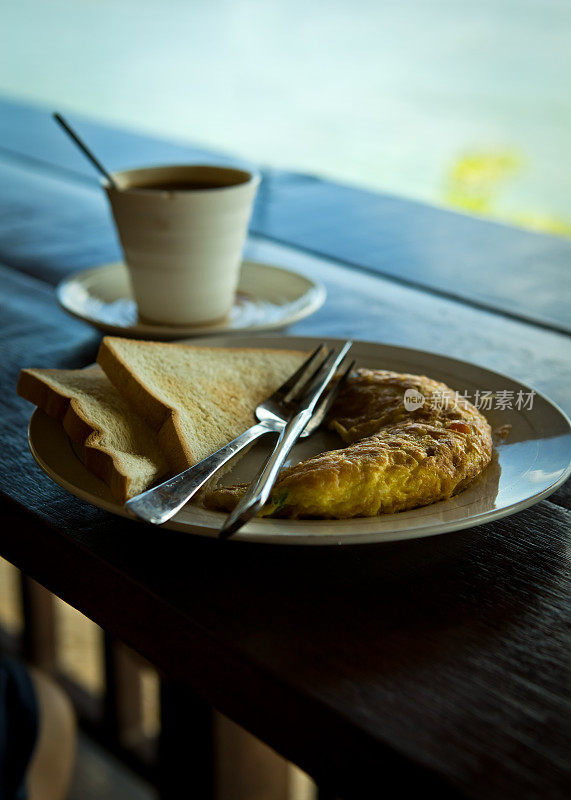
(181, 187)
(186, 186)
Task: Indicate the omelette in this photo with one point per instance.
(410, 441)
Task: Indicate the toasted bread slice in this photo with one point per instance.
(196, 398)
(118, 445)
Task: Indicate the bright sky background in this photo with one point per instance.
(463, 102)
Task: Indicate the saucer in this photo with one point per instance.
(268, 298)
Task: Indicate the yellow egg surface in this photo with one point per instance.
(395, 459)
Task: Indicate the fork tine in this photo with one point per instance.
(296, 381)
(259, 490)
(330, 365)
(327, 401)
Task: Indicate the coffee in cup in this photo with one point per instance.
(182, 230)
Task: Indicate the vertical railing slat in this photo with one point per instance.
(39, 636)
(123, 693)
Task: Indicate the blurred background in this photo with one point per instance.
(458, 103)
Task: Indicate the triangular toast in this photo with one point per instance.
(117, 444)
(196, 398)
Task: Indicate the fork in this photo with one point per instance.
(258, 492)
(160, 503)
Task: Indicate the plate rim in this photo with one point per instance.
(330, 539)
(315, 296)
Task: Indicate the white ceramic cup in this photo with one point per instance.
(182, 230)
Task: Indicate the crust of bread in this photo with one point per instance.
(98, 459)
(151, 408)
(161, 417)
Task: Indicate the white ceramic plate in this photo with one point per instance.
(268, 298)
(532, 462)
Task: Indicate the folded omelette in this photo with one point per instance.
(399, 454)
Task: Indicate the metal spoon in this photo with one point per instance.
(85, 150)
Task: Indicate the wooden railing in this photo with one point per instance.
(226, 761)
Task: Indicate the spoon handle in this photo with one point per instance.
(85, 150)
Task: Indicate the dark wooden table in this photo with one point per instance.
(440, 663)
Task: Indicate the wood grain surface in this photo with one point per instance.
(440, 663)
(485, 264)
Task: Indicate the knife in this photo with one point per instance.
(259, 490)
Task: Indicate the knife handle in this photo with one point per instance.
(159, 504)
(259, 490)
